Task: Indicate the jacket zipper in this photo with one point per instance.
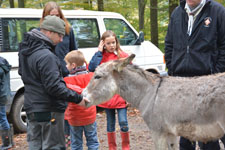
(188, 50)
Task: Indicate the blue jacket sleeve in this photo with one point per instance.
(95, 61)
(73, 42)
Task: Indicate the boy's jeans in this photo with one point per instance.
(90, 132)
(122, 118)
(4, 124)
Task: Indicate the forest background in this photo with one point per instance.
(149, 16)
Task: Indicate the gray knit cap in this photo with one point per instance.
(54, 24)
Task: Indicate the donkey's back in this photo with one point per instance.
(191, 107)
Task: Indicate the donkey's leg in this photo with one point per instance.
(160, 141)
(222, 125)
(173, 142)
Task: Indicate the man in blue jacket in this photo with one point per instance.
(45, 90)
(195, 46)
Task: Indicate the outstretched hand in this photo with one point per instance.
(84, 101)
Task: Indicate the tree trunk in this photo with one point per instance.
(153, 22)
(11, 3)
(21, 4)
(0, 3)
(141, 13)
(172, 5)
(100, 5)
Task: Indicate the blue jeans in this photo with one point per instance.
(122, 118)
(90, 132)
(4, 124)
(66, 127)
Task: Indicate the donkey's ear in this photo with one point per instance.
(123, 62)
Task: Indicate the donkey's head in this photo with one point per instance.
(103, 84)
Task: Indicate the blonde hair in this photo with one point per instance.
(75, 56)
(48, 8)
(109, 33)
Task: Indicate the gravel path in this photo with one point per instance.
(139, 133)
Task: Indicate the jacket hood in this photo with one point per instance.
(33, 41)
(5, 65)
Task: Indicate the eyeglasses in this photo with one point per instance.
(60, 35)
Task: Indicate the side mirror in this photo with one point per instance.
(140, 38)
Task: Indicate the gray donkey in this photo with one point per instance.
(170, 106)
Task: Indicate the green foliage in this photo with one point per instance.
(221, 2)
(4, 4)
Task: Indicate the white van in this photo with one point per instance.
(88, 27)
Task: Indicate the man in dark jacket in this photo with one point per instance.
(45, 90)
(195, 45)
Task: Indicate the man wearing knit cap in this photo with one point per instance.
(55, 25)
(45, 90)
(195, 46)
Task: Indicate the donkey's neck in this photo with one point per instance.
(137, 86)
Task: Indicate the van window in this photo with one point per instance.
(86, 32)
(125, 35)
(12, 32)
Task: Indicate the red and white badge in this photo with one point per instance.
(208, 21)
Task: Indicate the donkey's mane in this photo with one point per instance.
(149, 76)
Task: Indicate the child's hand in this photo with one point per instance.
(101, 45)
(128, 104)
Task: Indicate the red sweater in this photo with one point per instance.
(76, 114)
(116, 101)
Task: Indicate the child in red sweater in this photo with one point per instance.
(81, 119)
(109, 49)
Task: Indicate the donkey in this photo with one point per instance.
(170, 106)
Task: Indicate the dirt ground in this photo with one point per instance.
(139, 133)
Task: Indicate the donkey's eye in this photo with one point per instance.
(97, 77)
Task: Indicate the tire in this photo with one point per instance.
(18, 115)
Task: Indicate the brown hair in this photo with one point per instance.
(48, 8)
(109, 33)
(75, 56)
